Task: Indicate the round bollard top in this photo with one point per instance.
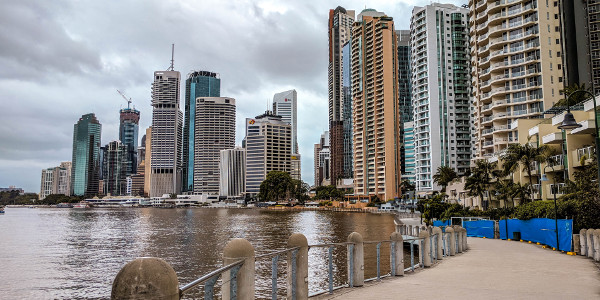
(582, 231)
(590, 232)
(449, 229)
(355, 237)
(424, 233)
(146, 278)
(597, 232)
(437, 230)
(238, 248)
(396, 237)
(297, 240)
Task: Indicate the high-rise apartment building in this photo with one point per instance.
(232, 171)
(148, 162)
(167, 123)
(85, 167)
(214, 130)
(56, 180)
(198, 84)
(321, 167)
(376, 116)
(347, 154)
(128, 134)
(114, 168)
(340, 32)
(440, 91)
(268, 147)
(404, 78)
(517, 67)
(408, 142)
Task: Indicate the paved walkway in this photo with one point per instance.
(491, 269)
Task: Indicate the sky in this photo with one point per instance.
(61, 59)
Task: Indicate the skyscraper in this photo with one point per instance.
(86, 156)
(198, 84)
(440, 83)
(340, 32)
(404, 78)
(232, 169)
(167, 123)
(347, 153)
(408, 141)
(285, 105)
(114, 171)
(56, 180)
(376, 118)
(214, 130)
(128, 134)
(268, 148)
(322, 160)
(517, 68)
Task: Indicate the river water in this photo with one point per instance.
(48, 253)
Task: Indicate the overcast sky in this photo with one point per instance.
(61, 59)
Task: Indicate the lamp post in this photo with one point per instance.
(545, 178)
(570, 123)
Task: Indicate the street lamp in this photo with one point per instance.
(545, 178)
(570, 123)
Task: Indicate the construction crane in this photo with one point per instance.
(125, 97)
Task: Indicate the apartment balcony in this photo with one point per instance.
(559, 189)
(587, 126)
(556, 163)
(553, 138)
(585, 154)
(537, 191)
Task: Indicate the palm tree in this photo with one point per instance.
(481, 177)
(444, 176)
(567, 91)
(521, 191)
(524, 156)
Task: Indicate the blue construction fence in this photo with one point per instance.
(539, 230)
(441, 223)
(480, 228)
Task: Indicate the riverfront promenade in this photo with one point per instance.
(491, 269)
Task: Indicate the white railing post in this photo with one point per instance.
(235, 250)
(356, 260)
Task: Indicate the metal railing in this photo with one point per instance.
(211, 278)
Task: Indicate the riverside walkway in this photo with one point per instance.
(491, 269)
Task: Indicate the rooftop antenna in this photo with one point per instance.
(171, 68)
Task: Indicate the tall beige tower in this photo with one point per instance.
(375, 111)
(514, 45)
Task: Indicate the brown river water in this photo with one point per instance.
(49, 253)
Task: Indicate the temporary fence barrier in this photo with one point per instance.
(480, 228)
(540, 230)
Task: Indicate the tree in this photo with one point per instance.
(524, 155)
(299, 190)
(481, 177)
(444, 176)
(577, 97)
(433, 208)
(277, 186)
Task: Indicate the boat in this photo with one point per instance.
(81, 205)
(64, 205)
(1, 209)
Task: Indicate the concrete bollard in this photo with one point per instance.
(235, 250)
(301, 278)
(439, 249)
(464, 234)
(583, 242)
(590, 242)
(459, 238)
(146, 278)
(397, 255)
(576, 244)
(451, 240)
(424, 248)
(356, 261)
(430, 230)
(417, 230)
(597, 245)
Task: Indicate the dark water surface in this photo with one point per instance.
(65, 253)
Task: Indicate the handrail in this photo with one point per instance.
(210, 275)
(277, 252)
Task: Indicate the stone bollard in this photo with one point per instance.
(583, 241)
(424, 248)
(424, 228)
(576, 244)
(410, 230)
(417, 230)
(439, 248)
(235, 250)
(597, 245)
(397, 254)
(430, 230)
(451, 240)
(590, 242)
(356, 260)
(459, 238)
(146, 278)
(464, 235)
(301, 268)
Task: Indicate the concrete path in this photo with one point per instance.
(491, 269)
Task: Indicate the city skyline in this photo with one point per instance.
(81, 58)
